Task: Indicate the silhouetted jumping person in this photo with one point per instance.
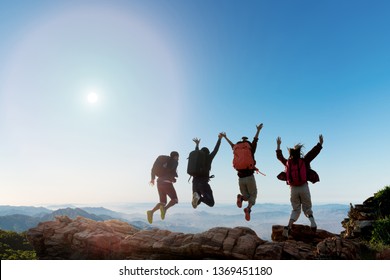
(297, 174)
(244, 162)
(165, 169)
(199, 166)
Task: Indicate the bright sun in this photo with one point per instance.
(92, 97)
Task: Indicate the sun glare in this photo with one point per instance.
(92, 97)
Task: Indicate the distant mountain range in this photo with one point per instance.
(180, 218)
(20, 219)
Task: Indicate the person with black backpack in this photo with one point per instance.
(297, 174)
(244, 162)
(199, 166)
(165, 168)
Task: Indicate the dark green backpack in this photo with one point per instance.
(197, 164)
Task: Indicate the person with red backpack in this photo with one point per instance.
(164, 168)
(297, 174)
(244, 162)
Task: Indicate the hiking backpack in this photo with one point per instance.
(243, 156)
(197, 164)
(296, 172)
(160, 165)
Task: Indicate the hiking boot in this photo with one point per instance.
(195, 200)
(162, 211)
(285, 232)
(149, 214)
(247, 214)
(240, 198)
(313, 225)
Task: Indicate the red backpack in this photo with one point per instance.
(296, 172)
(243, 156)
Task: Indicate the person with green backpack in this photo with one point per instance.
(199, 166)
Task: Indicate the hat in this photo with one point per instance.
(244, 138)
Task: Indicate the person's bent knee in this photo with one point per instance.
(175, 201)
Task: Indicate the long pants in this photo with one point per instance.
(202, 187)
(248, 188)
(300, 199)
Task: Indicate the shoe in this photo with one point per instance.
(150, 216)
(247, 214)
(195, 200)
(162, 211)
(285, 232)
(313, 224)
(240, 198)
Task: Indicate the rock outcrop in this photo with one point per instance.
(360, 220)
(362, 217)
(82, 238)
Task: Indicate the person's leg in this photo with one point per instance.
(150, 213)
(252, 190)
(206, 194)
(295, 201)
(196, 196)
(163, 201)
(307, 206)
(171, 192)
(244, 194)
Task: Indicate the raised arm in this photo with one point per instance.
(321, 139)
(279, 154)
(216, 148)
(259, 127)
(278, 142)
(227, 139)
(197, 141)
(315, 150)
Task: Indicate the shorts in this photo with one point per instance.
(166, 189)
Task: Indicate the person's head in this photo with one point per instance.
(205, 150)
(296, 152)
(244, 139)
(174, 155)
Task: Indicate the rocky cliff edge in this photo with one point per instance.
(84, 239)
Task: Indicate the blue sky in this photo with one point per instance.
(168, 71)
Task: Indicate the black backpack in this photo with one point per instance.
(197, 164)
(160, 166)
